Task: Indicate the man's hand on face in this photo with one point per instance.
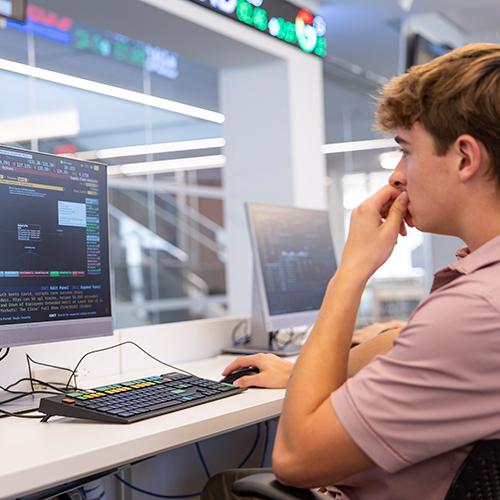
(274, 371)
(374, 230)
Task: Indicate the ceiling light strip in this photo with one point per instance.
(162, 166)
(112, 91)
(145, 149)
(64, 123)
(347, 147)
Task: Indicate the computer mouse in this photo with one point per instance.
(242, 372)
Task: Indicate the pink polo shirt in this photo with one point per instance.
(415, 410)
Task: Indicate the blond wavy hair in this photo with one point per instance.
(457, 93)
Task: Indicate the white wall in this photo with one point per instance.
(272, 96)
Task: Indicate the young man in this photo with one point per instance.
(401, 426)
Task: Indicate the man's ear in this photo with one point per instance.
(470, 154)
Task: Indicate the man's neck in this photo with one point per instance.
(479, 215)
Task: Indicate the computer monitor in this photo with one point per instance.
(13, 9)
(54, 257)
(293, 259)
(420, 50)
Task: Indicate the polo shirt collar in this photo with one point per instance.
(485, 255)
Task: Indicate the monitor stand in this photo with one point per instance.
(261, 339)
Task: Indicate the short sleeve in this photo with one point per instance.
(436, 390)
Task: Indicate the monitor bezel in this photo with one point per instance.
(40, 332)
(286, 320)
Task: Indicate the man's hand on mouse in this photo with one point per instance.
(274, 371)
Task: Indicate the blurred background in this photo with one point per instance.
(168, 178)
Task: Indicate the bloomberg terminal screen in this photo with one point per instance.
(296, 255)
(54, 251)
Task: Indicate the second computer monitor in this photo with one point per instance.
(294, 260)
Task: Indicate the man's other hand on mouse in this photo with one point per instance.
(274, 371)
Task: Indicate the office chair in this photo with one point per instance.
(478, 478)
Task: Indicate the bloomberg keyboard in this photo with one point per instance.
(128, 402)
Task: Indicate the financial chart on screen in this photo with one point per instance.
(296, 256)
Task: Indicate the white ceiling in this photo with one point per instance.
(363, 32)
(366, 32)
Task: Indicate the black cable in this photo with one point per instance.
(151, 494)
(20, 395)
(30, 360)
(244, 339)
(24, 394)
(4, 355)
(202, 459)
(266, 443)
(118, 345)
(19, 414)
(248, 455)
(41, 382)
(252, 449)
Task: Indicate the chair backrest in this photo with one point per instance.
(478, 478)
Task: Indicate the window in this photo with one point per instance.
(166, 227)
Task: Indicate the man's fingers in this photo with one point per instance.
(409, 220)
(241, 362)
(266, 380)
(250, 381)
(398, 212)
(384, 211)
(384, 195)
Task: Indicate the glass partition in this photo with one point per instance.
(399, 285)
(166, 229)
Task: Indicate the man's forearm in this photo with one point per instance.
(364, 353)
(309, 427)
(323, 362)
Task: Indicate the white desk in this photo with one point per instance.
(35, 456)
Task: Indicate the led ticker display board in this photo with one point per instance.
(277, 18)
(63, 30)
